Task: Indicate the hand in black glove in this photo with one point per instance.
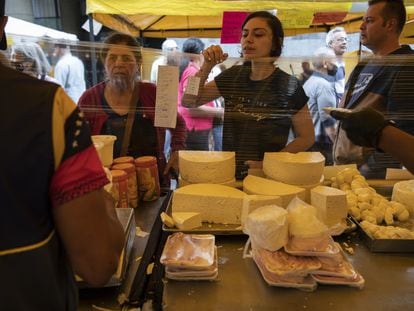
(362, 127)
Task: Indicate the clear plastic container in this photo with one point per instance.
(119, 189)
(147, 178)
(107, 151)
(122, 160)
(129, 168)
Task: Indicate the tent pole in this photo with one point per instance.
(93, 52)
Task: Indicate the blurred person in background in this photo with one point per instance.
(382, 82)
(306, 72)
(55, 219)
(168, 47)
(217, 132)
(108, 104)
(199, 121)
(262, 102)
(69, 71)
(337, 40)
(321, 95)
(28, 57)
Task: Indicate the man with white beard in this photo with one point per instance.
(108, 104)
(337, 40)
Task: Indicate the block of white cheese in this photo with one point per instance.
(258, 185)
(254, 201)
(206, 166)
(302, 168)
(167, 220)
(308, 189)
(330, 203)
(230, 183)
(215, 203)
(186, 220)
(267, 227)
(403, 192)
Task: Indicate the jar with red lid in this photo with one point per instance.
(147, 178)
(120, 187)
(129, 168)
(122, 160)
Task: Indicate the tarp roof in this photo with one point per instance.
(20, 27)
(203, 18)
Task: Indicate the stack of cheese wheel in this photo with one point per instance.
(302, 169)
(208, 167)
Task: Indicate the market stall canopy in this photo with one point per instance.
(20, 27)
(203, 18)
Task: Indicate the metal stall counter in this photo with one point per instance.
(145, 243)
(389, 284)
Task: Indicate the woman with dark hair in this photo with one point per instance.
(262, 102)
(107, 105)
(199, 121)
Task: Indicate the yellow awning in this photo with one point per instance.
(203, 18)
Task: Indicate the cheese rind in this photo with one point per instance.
(258, 185)
(187, 220)
(330, 203)
(215, 203)
(207, 166)
(302, 168)
(403, 192)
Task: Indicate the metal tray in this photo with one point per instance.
(216, 229)
(385, 245)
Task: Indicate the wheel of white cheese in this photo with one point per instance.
(302, 168)
(207, 166)
(258, 185)
(231, 183)
(215, 203)
(403, 192)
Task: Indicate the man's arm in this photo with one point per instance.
(92, 236)
(399, 144)
(369, 128)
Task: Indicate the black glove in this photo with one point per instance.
(362, 127)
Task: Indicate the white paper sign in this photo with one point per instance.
(167, 96)
(97, 26)
(193, 85)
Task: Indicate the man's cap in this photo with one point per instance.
(169, 45)
(3, 41)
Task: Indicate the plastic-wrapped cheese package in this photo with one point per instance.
(189, 250)
(306, 231)
(267, 227)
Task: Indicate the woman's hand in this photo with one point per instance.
(214, 55)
